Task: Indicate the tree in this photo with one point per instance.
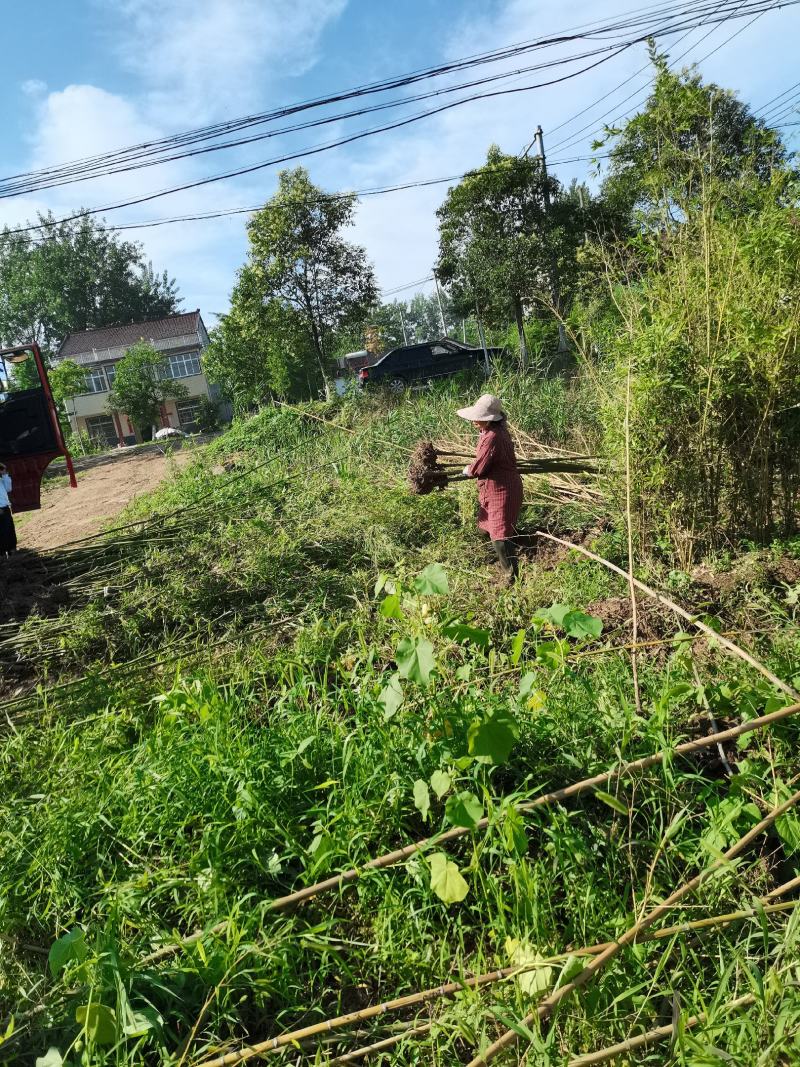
(299, 261)
(687, 135)
(64, 276)
(499, 243)
(261, 350)
(139, 388)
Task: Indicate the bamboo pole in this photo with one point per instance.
(274, 1044)
(510, 1037)
(652, 1036)
(379, 1046)
(401, 854)
(734, 649)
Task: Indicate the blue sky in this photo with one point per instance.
(89, 75)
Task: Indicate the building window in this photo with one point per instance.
(183, 365)
(101, 430)
(111, 373)
(96, 381)
(189, 414)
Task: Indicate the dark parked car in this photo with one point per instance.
(411, 364)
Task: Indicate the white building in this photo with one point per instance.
(182, 339)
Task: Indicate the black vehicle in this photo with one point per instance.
(412, 364)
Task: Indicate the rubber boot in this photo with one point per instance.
(507, 558)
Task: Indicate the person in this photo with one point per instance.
(499, 482)
(8, 535)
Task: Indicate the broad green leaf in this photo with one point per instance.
(526, 685)
(682, 637)
(555, 614)
(446, 879)
(51, 1058)
(490, 740)
(460, 631)
(99, 1022)
(612, 801)
(538, 977)
(422, 798)
(573, 965)
(553, 653)
(71, 946)
(579, 624)
(391, 697)
(142, 1022)
(440, 783)
(432, 581)
(517, 646)
(390, 607)
(464, 809)
(415, 659)
(788, 829)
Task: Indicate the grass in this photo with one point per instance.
(230, 710)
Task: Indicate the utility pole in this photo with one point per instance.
(403, 324)
(439, 300)
(486, 366)
(554, 280)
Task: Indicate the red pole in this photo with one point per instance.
(41, 370)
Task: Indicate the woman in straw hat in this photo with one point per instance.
(499, 483)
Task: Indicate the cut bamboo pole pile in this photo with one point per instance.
(436, 468)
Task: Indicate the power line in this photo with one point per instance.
(230, 212)
(605, 96)
(597, 30)
(714, 15)
(576, 138)
(700, 14)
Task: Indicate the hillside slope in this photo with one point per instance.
(283, 666)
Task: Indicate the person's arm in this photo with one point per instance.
(484, 457)
(7, 482)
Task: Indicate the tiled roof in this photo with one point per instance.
(123, 336)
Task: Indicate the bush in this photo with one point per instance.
(711, 336)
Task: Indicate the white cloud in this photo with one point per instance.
(204, 58)
(399, 230)
(196, 62)
(33, 87)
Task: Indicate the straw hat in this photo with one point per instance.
(486, 408)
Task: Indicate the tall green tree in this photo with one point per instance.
(139, 389)
(299, 260)
(75, 275)
(688, 135)
(502, 235)
(261, 350)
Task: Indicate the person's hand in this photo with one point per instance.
(466, 473)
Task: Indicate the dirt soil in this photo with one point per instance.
(103, 491)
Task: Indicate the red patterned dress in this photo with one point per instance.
(499, 483)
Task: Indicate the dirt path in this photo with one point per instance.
(67, 514)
